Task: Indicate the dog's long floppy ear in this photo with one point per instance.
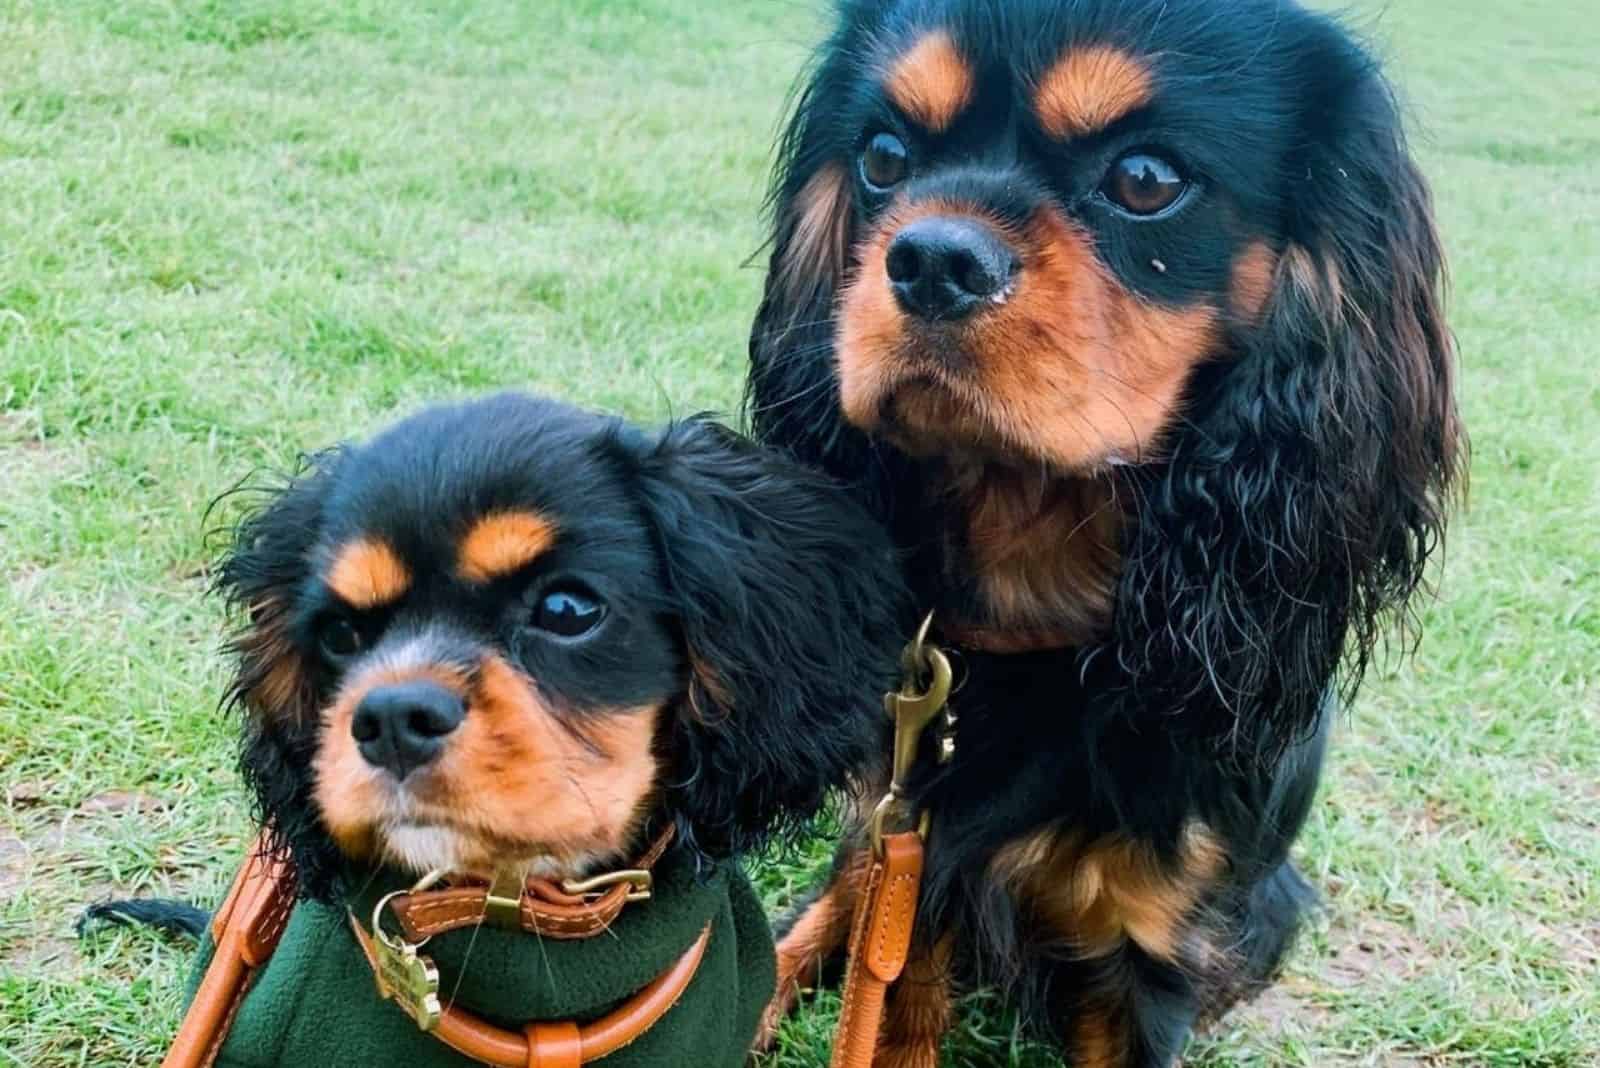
(1298, 515)
(788, 598)
(791, 396)
(273, 686)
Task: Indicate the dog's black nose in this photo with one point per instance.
(943, 268)
(403, 726)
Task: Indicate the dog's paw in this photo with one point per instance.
(923, 1053)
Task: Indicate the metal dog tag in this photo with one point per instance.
(409, 979)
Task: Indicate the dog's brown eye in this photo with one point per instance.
(568, 611)
(338, 637)
(884, 161)
(1142, 184)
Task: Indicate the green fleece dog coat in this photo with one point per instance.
(315, 1004)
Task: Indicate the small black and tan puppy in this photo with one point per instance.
(513, 630)
(510, 637)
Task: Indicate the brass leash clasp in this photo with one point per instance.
(924, 690)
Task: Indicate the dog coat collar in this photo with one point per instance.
(573, 910)
(313, 1002)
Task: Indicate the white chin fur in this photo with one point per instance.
(422, 849)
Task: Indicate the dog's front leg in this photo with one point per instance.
(917, 1011)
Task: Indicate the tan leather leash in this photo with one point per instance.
(248, 926)
(246, 930)
(880, 931)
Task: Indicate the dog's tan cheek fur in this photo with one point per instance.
(1080, 368)
(513, 772)
(348, 792)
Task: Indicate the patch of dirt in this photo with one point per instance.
(1373, 946)
(23, 426)
(1580, 947)
(1580, 794)
(1362, 947)
(1285, 1005)
(27, 793)
(26, 453)
(13, 862)
(121, 801)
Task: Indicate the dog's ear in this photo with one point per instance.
(1298, 513)
(792, 394)
(788, 597)
(260, 576)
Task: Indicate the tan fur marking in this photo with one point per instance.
(1253, 274)
(279, 687)
(931, 83)
(1099, 1039)
(1045, 554)
(368, 573)
(1070, 368)
(814, 258)
(1090, 88)
(709, 697)
(1316, 276)
(514, 784)
(918, 1011)
(503, 543)
(1096, 894)
(817, 936)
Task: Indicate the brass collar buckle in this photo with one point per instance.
(923, 694)
(640, 883)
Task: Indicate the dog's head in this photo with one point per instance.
(513, 633)
(1171, 258)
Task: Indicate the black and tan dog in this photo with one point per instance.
(1126, 315)
(509, 635)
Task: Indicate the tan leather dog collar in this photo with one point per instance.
(572, 910)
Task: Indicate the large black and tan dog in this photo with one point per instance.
(1126, 315)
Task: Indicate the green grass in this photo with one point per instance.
(234, 229)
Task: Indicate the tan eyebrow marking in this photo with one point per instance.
(368, 573)
(931, 83)
(1090, 88)
(503, 542)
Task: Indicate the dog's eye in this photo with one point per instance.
(1142, 184)
(338, 638)
(568, 611)
(884, 162)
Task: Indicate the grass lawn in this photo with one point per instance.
(234, 229)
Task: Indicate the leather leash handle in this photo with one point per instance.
(880, 940)
(246, 930)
